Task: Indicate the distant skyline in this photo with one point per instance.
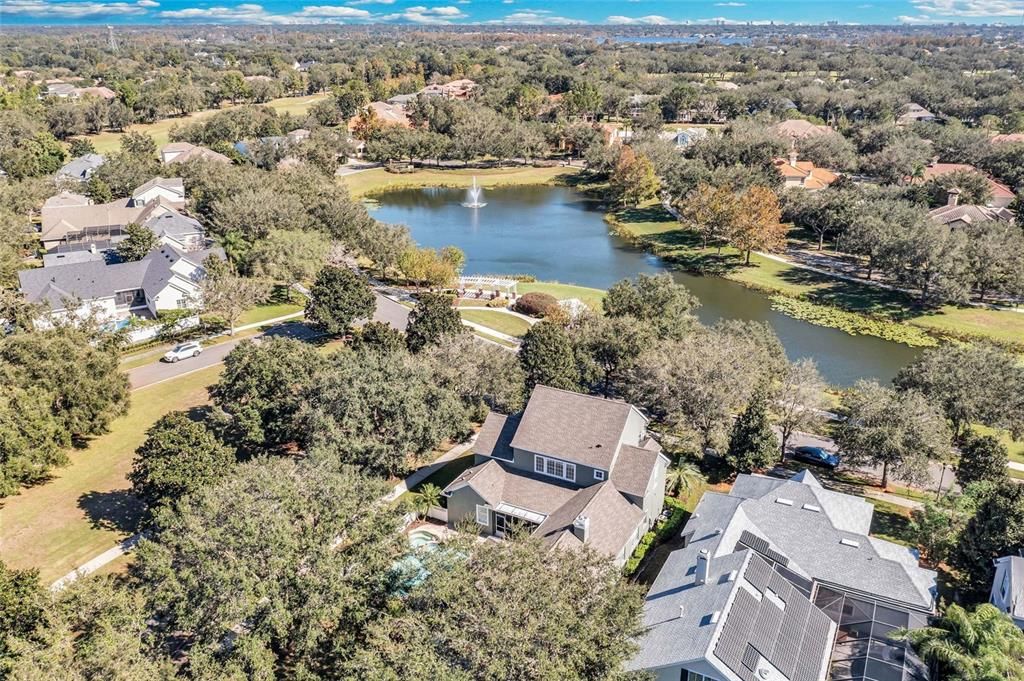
(533, 12)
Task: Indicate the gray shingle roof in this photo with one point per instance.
(806, 530)
(633, 469)
(96, 279)
(80, 168)
(970, 214)
(613, 520)
(173, 224)
(496, 435)
(579, 428)
(175, 184)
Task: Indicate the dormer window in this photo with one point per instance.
(554, 468)
(598, 475)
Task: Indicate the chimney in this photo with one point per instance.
(703, 566)
(581, 528)
(952, 196)
(792, 154)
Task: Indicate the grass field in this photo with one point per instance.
(653, 227)
(592, 297)
(379, 179)
(499, 321)
(109, 141)
(85, 508)
(262, 313)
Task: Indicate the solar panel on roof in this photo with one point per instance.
(751, 657)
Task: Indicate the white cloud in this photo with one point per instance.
(255, 14)
(507, 2)
(954, 9)
(650, 19)
(537, 17)
(147, 3)
(426, 15)
(730, 4)
(74, 10)
(370, 2)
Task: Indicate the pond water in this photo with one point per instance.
(556, 234)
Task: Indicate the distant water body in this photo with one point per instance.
(557, 234)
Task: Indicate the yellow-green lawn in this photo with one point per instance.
(109, 141)
(592, 297)
(85, 508)
(507, 324)
(653, 227)
(379, 179)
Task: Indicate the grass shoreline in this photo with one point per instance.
(853, 307)
(366, 183)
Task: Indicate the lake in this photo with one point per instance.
(557, 234)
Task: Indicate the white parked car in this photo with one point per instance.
(183, 351)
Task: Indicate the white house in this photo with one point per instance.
(166, 279)
(172, 189)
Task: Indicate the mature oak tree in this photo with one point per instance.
(338, 298)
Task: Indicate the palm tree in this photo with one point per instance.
(428, 497)
(683, 478)
(983, 645)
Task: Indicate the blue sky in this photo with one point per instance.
(564, 12)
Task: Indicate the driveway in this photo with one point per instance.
(387, 311)
(935, 470)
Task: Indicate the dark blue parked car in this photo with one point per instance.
(816, 456)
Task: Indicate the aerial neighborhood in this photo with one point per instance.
(493, 341)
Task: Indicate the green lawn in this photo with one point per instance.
(110, 141)
(379, 179)
(891, 522)
(1014, 447)
(592, 297)
(499, 321)
(85, 508)
(262, 313)
(654, 228)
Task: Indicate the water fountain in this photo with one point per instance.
(473, 195)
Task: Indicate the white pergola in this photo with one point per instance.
(506, 287)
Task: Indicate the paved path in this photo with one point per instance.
(157, 372)
(421, 474)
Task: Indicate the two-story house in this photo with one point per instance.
(572, 469)
(780, 580)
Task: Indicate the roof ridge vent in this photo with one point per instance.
(784, 501)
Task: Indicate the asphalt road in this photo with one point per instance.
(807, 440)
(387, 311)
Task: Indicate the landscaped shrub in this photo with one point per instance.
(660, 534)
(535, 303)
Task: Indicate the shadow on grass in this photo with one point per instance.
(853, 296)
(116, 510)
(892, 524)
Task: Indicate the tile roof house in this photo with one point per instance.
(388, 114)
(1011, 138)
(779, 580)
(166, 279)
(1002, 196)
(572, 469)
(958, 216)
(1008, 588)
(803, 174)
(914, 113)
(798, 129)
(80, 169)
(181, 152)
